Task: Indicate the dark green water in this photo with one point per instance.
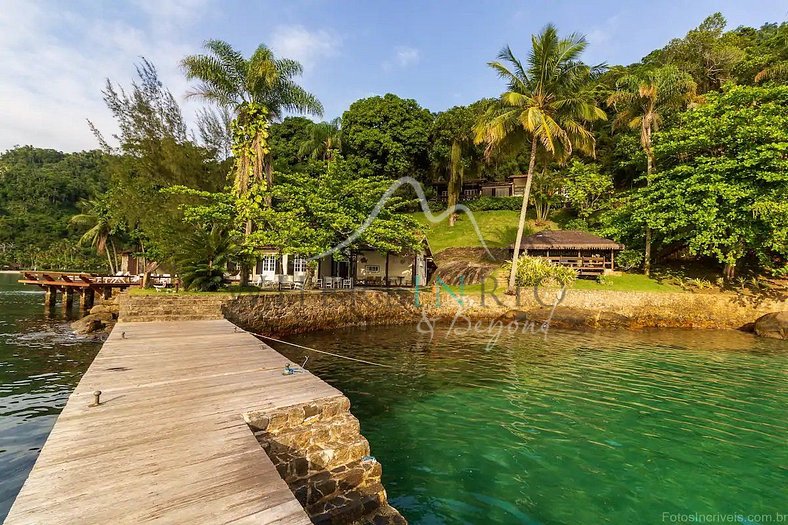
(583, 428)
(40, 364)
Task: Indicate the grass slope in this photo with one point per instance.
(498, 229)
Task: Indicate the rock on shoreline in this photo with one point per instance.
(102, 318)
(773, 325)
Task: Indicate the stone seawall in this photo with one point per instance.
(281, 314)
(319, 451)
(294, 312)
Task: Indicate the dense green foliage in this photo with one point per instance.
(536, 271)
(723, 187)
(387, 136)
(40, 190)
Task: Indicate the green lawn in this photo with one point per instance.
(627, 282)
(498, 229)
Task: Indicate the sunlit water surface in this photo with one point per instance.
(40, 364)
(581, 428)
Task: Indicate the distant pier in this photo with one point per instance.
(85, 285)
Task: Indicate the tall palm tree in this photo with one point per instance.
(548, 105)
(95, 217)
(325, 140)
(640, 102)
(260, 88)
(257, 90)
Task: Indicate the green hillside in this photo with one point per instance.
(498, 229)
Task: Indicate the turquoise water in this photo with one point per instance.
(40, 364)
(581, 428)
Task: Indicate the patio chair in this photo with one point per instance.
(319, 283)
(329, 282)
(258, 280)
(298, 285)
(347, 283)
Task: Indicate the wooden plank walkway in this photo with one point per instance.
(168, 443)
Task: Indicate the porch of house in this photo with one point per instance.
(358, 268)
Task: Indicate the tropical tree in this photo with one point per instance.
(722, 186)
(640, 100)
(96, 218)
(258, 90)
(206, 253)
(453, 152)
(548, 105)
(325, 140)
(387, 136)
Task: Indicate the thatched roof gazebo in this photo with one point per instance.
(588, 253)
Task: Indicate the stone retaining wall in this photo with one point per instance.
(302, 312)
(296, 312)
(319, 451)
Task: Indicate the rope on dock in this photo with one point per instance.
(322, 351)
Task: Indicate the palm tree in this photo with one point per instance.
(260, 88)
(640, 101)
(95, 217)
(257, 90)
(548, 105)
(325, 139)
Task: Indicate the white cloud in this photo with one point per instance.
(407, 56)
(307, 47)
(55, 62)
(404, 56)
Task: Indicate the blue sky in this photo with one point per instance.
(55, 55)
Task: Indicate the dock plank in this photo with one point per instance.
(168, 443)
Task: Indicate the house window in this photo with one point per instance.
(373, 268)
(299, 264)
(269, 263)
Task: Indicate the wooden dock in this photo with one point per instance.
(168, 443)
(84, 284)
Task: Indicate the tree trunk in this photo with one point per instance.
(729, 271)
(243, 267)
(649, 170)
(109, 259)
(521, 225)
(455, 180)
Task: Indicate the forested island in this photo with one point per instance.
(684, 152)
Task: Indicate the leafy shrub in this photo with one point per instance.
(779, 272)
(485, 203)
(532, 271)
(697, 283)
(604, 280)
(204, 259)
(629, 259)
(577, 224)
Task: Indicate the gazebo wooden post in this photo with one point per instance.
(387, 269)
(612, 258)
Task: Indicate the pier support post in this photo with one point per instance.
(51, 297)
(86, 299)
(68, 299)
